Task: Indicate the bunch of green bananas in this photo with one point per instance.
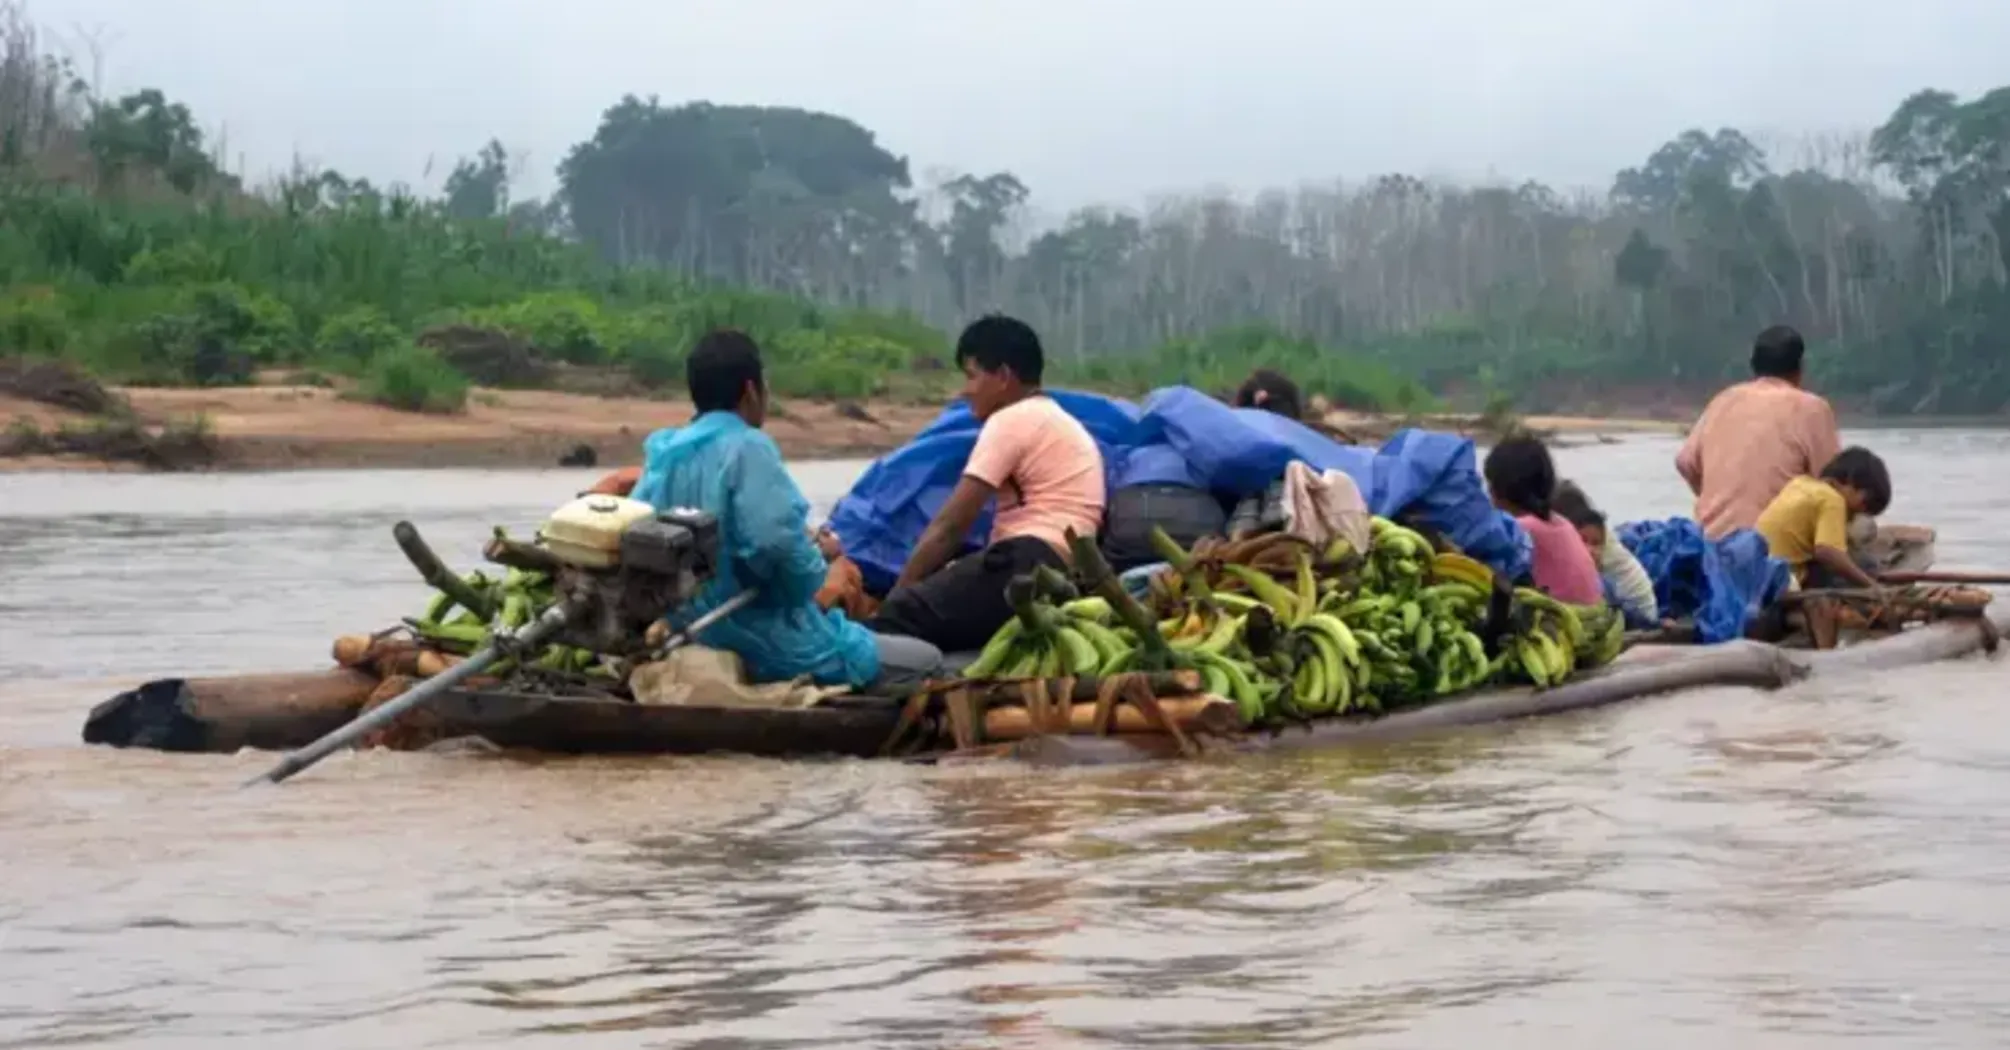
(1550, 640)
(1421, 645)
(1398, 558)
(1290, 632)
(1045, 640)
(516, 598)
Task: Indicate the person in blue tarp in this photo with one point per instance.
(1273, 392)
(722, 463)
(1162, 490)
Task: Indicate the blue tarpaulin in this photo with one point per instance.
(1722, 585)
(1182, 436)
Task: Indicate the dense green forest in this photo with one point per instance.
(131, 251)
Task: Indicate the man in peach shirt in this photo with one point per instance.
(1036, 460)
(1756, 436)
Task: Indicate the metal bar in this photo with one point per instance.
(690, 631)
(532, 635)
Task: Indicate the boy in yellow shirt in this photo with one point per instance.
(1807, 524)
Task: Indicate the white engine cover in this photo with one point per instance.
(587, 531)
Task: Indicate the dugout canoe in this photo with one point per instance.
(282, 712)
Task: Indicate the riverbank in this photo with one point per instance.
(304, 427)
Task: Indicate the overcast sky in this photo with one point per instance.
(1086, 100)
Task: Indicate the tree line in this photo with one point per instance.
(1890, 251)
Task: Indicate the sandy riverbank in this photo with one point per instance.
(298, 427)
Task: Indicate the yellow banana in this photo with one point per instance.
(1235, 603)
(1283, 604)
(1308, 687)
(1225, 634)
(1476, 651)
(1329, 655)
(1308, 587)
(1532, 662)
(1343, 636)
(1551, 656)
(1452, 567)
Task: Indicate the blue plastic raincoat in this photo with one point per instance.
(721, 465)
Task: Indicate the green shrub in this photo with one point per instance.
(33, 324)
(245, 322)
(351, 339)
(414, 379)
(561, 325)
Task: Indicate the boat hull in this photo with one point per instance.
(283, 712)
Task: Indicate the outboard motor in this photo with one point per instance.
(622, 565)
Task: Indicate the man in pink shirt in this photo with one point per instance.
(1756, 436)
(1035, 459)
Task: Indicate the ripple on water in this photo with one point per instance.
(1782, 870)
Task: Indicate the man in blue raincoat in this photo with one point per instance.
(723, 464)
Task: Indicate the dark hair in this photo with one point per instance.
(996, 341)
(1519, 472)
(1570, 503)
(1280, 394)
(719, 369)
(1861, 469)
(1777, 353)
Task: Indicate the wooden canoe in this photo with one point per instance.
(289, 711)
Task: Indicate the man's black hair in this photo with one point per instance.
(1575, 507)
(1777, 353)
(1520, 472)
(996, 341)
(1863, 470)
(1280, 394)
(719, 369)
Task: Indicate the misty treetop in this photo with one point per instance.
(1890, 252)
(131, 248)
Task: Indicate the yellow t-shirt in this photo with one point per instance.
(1807, 514)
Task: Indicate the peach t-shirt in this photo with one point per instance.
(1753, 439)
(1046, 468)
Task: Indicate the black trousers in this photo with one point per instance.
(959, 608)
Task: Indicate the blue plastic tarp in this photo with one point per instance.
(1721, 585)
(1185, 437)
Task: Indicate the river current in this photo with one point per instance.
(1825, 865)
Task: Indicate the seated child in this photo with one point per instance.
(1807, 524)
(1630, 588)
(1522, 481)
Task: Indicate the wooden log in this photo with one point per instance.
(516, 555)
(1948, 640)
(1210, 713)
(1973, 579)
(1741, 663)
(267, 711)
(1008, 690)
(382, 657)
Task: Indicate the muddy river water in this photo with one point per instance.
(1812, 867)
